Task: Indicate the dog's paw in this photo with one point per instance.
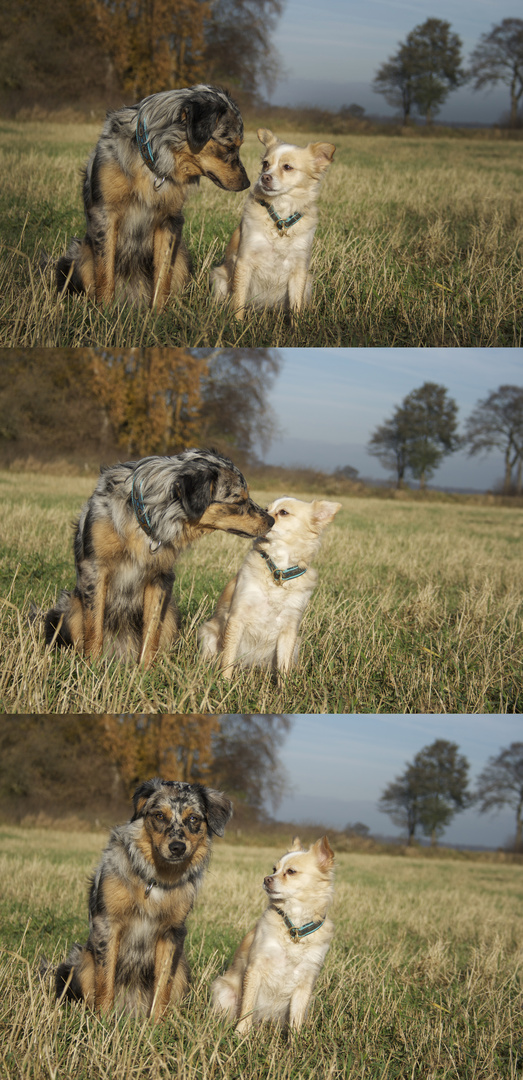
(243, 1027)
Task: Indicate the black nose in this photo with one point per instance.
(177, 849)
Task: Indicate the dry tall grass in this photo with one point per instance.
(418, 609)
(423, 979)
(419, 243)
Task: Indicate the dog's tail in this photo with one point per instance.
(68, 277)
(56, 626)
(67, 984)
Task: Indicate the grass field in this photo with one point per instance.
(418, 609)
(423, 979)
(419, 244)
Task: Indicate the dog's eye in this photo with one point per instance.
(283, 513)
(265, 165)
(159, 816)
(288, 168)
(193, 820)
(290, 870)
(274, 869)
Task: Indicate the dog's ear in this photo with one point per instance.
(141, 795)
(267, 138)
(296, 844)
(323, 853)
(218, 809)
(201, 119)
(195, 493)
(323, 153)
(323, 512)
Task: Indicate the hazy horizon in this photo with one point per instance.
(330, 54)
(338, 766)
(342, 395)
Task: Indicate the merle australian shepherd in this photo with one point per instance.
(129, 533)
(135, 185)
(140, 897)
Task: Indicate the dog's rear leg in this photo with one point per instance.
(93, 611)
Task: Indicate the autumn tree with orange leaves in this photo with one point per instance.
(153, 44)
(152, 397)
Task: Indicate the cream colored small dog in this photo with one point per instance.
(268, 256)
(273, 973)
(258, 615)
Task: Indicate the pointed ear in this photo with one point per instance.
(323, 512)
(266, 137)
(323, 153)
(323, 853)
(296, 844)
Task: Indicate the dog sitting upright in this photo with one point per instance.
(258, 615)
(140, 897)
(276, 966)
(267, 259)
(135, 184)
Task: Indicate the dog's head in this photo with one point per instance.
(179, 821)
(197, 490)
(286, 168)
(195, 132)
(304, 877)
(298, 525)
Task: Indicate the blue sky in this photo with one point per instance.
(332, 50)
(329, 401)
(338, 767)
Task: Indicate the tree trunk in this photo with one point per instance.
(508, 472)
(513, 104)
(519, 826)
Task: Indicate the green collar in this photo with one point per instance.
(298, 932)
(279, 576)
(281, 223)
(145, 148)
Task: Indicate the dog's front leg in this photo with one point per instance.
(285, 647)
(168, 972)
(300, 1002)
(154, 603)
(231, 643)
(251, 986)
(297, 288)
(104, 972)
(240, 286)
(104, 261)
(93, 602)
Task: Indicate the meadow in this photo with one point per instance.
(419, 244)
(423, 979)
(419, 609)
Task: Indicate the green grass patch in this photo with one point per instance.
(419, 244)
(423, 979)
(418, 609)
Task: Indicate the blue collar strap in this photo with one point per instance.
(280, 576)
(145, 148)
(298, 932)
(281, 223)
(142, 518)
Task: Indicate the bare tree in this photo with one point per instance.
(499, 58)
(497, 424)
(501, 784)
